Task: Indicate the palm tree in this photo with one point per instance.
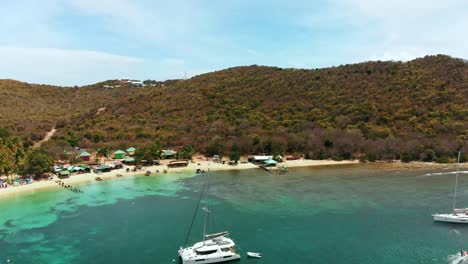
(11, 156)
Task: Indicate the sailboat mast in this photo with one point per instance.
(204, 224)
(456, 183)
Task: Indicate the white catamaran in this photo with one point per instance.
(215, 248)
(458, 215)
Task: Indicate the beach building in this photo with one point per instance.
(119, 154)
(270, 163)
(85, 156)
(178, 163)
(102, 168)
(117, 165)
(169, 153)
(131, 151)
(64, 174)
(129, 161)
(261, 158)
(79, 169)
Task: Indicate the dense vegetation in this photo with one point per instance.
(374, 110)
(19, 158)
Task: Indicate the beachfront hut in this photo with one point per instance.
(131, 151)
(261, 159)
(85, 156)
(168, 153)
(270, 163)
(129, 161)
(57, 168)
(84, 169)
(64, 174)
(119, 154)
(178, 163)
(117, 165)
(103, 168)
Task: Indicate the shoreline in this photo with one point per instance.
(14, 191)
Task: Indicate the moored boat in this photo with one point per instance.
(254, 255)
(215, 248)
(458, 215)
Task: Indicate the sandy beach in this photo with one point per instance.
(193, 166)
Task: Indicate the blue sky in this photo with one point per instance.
(76, 42)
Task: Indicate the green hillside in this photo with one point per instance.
(384, 110)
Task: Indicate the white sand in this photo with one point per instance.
(193, 166)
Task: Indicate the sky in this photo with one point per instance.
(78, 42)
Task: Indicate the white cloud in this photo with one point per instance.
(165, 23)
(26, 21)
(410, 29)
(41, 44)
(390, 30)
(62, 66)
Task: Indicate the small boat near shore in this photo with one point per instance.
(254, 255)
(458, 215)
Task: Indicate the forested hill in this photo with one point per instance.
(388, 110)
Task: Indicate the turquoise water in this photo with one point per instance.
(345, 214)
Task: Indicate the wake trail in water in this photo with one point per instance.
(457, 259)
(455, 231)
(442, 173)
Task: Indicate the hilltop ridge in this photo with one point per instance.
(370, 107)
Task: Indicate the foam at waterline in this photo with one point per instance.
(443, 173)
(457, 259)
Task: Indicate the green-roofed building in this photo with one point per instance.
(64, 174)
(119, 154)
(131, 151)
(85, 168)
(102, 168)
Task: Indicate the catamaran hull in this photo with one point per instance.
(211, 260)
(451, 218)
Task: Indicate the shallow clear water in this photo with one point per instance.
(344, 214)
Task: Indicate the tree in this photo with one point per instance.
(72, 139)
(235, 153)
(215, 146)
(187, 152)
(4, 133)
(428, 155)
(37, 162)
(103, 152)
(11, 155)
(148, 152)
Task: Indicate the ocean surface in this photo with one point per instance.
(335, 214)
